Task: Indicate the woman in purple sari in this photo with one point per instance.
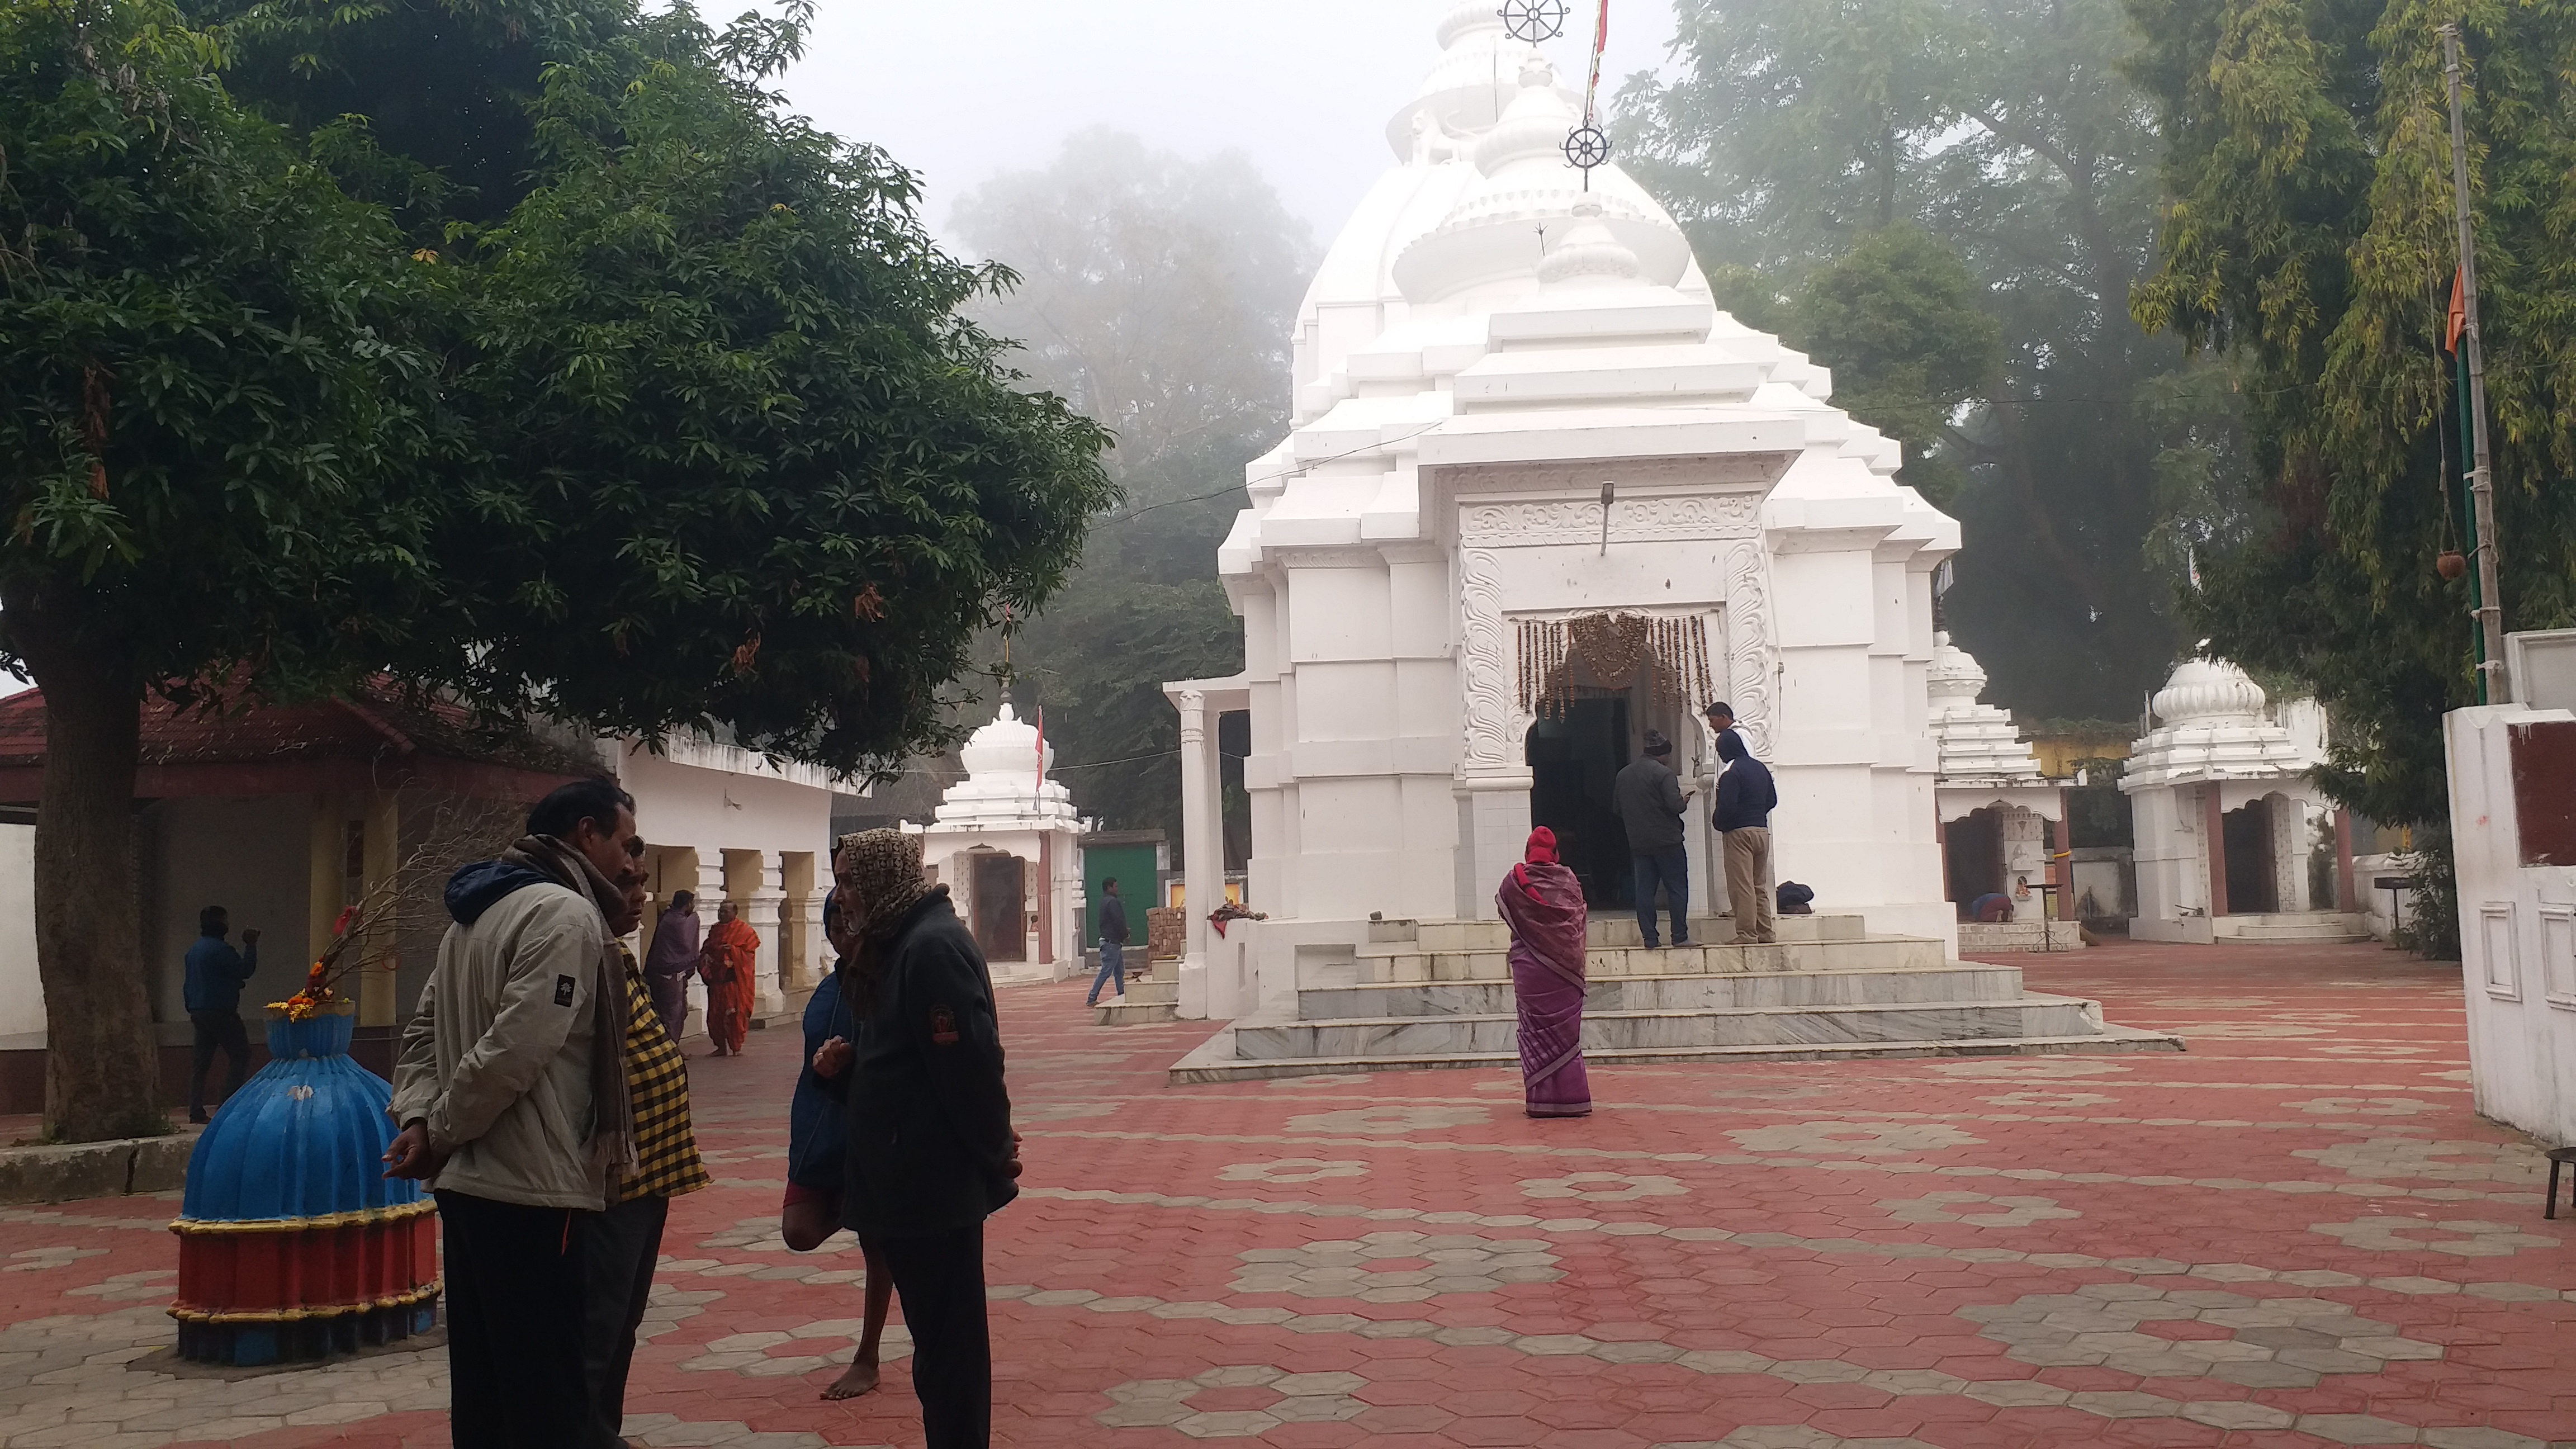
(1542, 901)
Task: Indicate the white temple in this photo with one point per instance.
(1007, 843)
(1518, 411)
(2230, 828)
(1996, 804)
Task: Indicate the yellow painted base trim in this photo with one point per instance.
(362, 1218)
(313, 1314)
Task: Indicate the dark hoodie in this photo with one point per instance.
(1745, 795)
(486, 883)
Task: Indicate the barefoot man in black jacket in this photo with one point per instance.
(932, 1153)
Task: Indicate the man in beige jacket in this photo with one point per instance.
(512, 1098)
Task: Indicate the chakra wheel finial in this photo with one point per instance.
(1534, 22)
(1588, 148)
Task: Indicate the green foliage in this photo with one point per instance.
(1158, 293)
(1910, 342)
(735, 456)
(2311, 244)
(2005, 130)
(215, 370)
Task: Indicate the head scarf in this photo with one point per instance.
(884, 868)
(1542, 851)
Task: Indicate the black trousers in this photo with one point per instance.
(940, 1278)
(625, 1244)
(217, 1029)
(516, 1284)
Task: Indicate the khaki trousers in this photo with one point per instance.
(1748, 885)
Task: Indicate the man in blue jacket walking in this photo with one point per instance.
(215, 976)
(1745, 799)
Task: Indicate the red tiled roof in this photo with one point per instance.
(380, 728)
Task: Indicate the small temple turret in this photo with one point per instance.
(1998, 811)
(1007, 842)
(2234, 838)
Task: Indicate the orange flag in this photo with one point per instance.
(2459, 327)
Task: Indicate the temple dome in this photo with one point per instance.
(1957, 678)
(1006, 785)
(1497, 230)
(2209, 691)
(2212, 723)
(1979, 745)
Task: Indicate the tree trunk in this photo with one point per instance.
(102, 1068)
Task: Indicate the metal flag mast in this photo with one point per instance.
(2495, 683)
(1590, 146)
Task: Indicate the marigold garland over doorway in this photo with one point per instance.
(1612, 648)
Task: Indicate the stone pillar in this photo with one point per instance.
(2347, 896)
(711, 894)
(765, 910)
(1493, 830)
(1202, 848)
(2061, 855)
(818, 961)
(2213, 814)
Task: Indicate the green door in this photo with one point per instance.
(1136, 869)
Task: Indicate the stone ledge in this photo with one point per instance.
(67, 1172)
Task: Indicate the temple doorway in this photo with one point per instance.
(997, 905)
(2253, 887)
(1573, 759)
(1973, 849)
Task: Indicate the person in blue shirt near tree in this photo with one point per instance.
(215, 975)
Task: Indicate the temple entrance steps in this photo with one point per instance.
(2305, 928)
(1434, 996)
(2003, 938)
(1480, 950)
(1147, 1002)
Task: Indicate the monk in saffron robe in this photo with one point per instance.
(728, 965)
(1542, 902)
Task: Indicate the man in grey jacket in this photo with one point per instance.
(1648, 799)
(512, 1096)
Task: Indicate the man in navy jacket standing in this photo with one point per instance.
(215, 976)
(1745, 799)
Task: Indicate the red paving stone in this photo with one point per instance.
(2297, 1233)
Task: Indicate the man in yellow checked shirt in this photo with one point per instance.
(625, 1242)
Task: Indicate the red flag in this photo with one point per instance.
(2459, 311)
(1592, 89)
(1041, 742)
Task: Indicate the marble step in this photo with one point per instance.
(2009, 1019)
(2319, 926)
(1215, 1061)
(1380, 963)
(1698, 992)
(1146, 1003)
(1613, 930)
(2001, 938)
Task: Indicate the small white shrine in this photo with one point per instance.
(2234, 840)
(1540, 496)
(1997, 807)
(1006, 841)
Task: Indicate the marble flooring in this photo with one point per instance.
(2296, 1233)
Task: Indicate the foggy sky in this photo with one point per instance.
(961, 89)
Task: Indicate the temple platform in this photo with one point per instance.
(1438, 994)
(2303, 928)
(2004, 938)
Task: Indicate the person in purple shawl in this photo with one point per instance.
(672, 960)
(1542, 902)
